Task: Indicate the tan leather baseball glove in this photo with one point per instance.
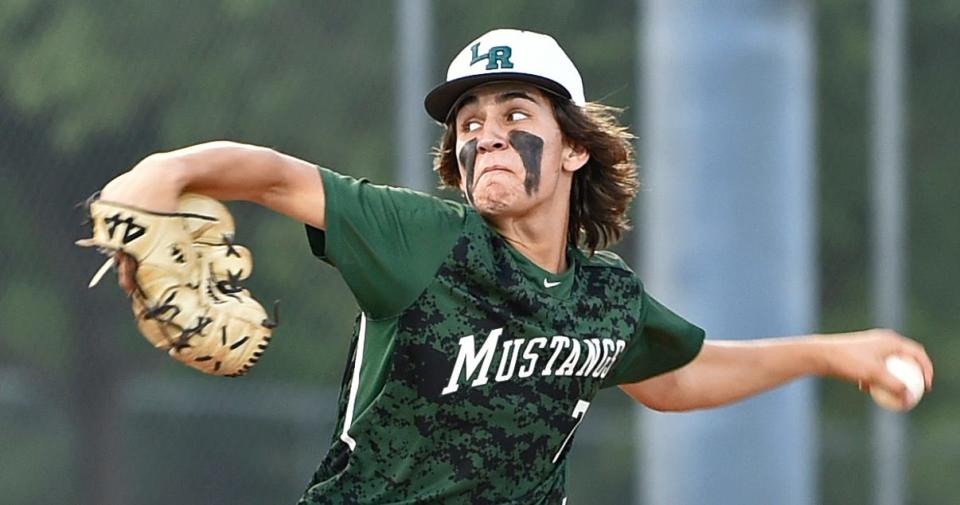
(187, 297)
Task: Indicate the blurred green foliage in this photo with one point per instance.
(89, 88)
(933, 301)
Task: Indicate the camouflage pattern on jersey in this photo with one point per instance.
(498, 431)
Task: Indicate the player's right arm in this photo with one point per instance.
(225, 171)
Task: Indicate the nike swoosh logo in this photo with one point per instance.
(547, 284)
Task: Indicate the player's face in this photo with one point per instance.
(511, 153)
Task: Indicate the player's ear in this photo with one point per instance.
(574, 157)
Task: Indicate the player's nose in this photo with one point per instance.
(492, 138)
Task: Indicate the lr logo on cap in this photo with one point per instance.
(497, 57)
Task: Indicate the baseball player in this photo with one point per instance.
(487, 327)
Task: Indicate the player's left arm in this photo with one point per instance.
(728, 371)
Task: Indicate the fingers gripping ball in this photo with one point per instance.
(909, 372)
(188, 299)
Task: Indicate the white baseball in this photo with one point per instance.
(910, 373)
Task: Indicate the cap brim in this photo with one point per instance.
(442, 98)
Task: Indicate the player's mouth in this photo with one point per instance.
(493, 169)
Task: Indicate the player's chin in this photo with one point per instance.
(494, 201)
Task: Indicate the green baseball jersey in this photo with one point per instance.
(470, 366)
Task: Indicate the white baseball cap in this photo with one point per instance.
(507, 55)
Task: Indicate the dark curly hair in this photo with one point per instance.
(602, 189)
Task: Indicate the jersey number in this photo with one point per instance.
(578, 413)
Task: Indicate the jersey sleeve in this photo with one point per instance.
(664, 342)
(386, 242)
